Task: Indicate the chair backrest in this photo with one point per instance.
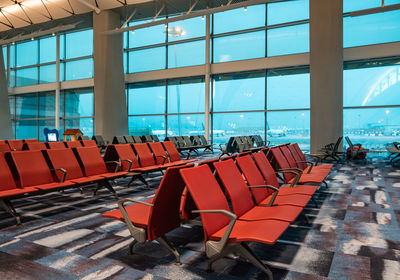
(119, 140)
(300, 163)
(230, 146)
(187, 140)
(15, 145)
(281, 162)
(32, 168)
(336, 147)
(30, 140)
(207, 195)
(210, 163)
(56, 145)
(228, 157)
(83, 137)
(238, 144)
(180, 141)
(73, 144)
(155, 138)
(203, 140)
(349, 143)
(137, 139)
(299, 151)
(249, 141)
(129, 139)
(266, 169)
(6, 179)
(4, 147)
(34, 146)
(147, 139)
(88, 143)
(196, 140)
(65, 159)
(235, 186)
(145, 156)
(253, 177)
(159, 152)
(172, 151)
(289, 157)
(122, 152)
(91, 160)
(99, 140)
(164, 216)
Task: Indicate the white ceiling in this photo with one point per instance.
(21, 13)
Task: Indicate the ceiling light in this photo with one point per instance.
(202, 17)
(54, 34)
(245, 8)
(32, 39)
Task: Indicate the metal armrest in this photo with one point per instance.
(276, 191)
(117, 163)
(291, 169)
(214, 248)
(139, 234)
(163, 157)
(311, 165)
(127, 160)
(64, 173)
(296, 180)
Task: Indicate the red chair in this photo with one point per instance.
(93, 164)
(34, 146)
(173, 152)
(229, 157)
(152, 219)
(56, 145)
(30, 140)
(9, 190)
(144, 154)
(73, 144)
(15, 145)
(4, 147)
(223, 232)
(242, 202)
(33, 171)
(285, 196)
(88, 143)
(210, 163)
(161, 155)
(294, 148)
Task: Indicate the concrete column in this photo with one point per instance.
(326, 71)
(111, 115)
(5, 116)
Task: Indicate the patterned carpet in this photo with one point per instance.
(354, 235)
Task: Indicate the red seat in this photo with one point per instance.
(33, 171)
(173, 152)
(56, 145)
(15, 145)
(210, 163)
(34, 146)
(223, 232)
(144, 154)
(294, 148)
(152, 219)
(4, 147)
(161, 155)
(88, 143)
(73, 144)
(30, 140)
(242, 203)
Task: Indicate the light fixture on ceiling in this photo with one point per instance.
(245, 8)
(202, 17)
(32, 39)
(53, 34)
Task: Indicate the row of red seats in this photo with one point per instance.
(261, 208)
(21, 145)
(25, 173)
(142, 158)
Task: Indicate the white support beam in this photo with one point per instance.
(158, 12)
(193, 5)
(87, 4)
(129, 18)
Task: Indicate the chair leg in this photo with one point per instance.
(166, 244)
(315, 202)
(9, 208)
(247, 253)
(110, 188)
(326, 184)
(133, 243)
(305, 217)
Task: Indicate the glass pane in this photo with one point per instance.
(186, 96)
(62, 46)
(372, 128)
(50, 124)
(146, 98)
(78, 103)
(47, 74)
(79, 44)
(47, 105)
(239, 92)
(289, 126)
(26, 77)
(125, 62)
(12, 56)
(147, 60)
(239, 19)
(289, 11)
(374, 86)
(11, 100)
(26, 106)
(85, 125)
(355, 5)
(147, 36)
(371, 29)
(186, 54)
(5, 56)
(231, 48)
(79, 69)
(186, 29)
(288, 91)
(27, 53)
(288, 40)
(237, 124)
(48, 49)
(145, 125)
(26, 129)
(185, 125)
(12, 79)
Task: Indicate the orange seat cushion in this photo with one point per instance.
(284, 213)
(16, 191)
(298, 189)
(52, 186)
(299, 200)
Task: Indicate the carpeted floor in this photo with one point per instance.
(354, 234)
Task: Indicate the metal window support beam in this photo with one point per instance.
(129, 18)
(375, 10)
(157, 14)
(87, 4)
(192, 6)
(191, 15)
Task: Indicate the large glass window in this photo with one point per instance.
(185, 124)
(288, 40)
(186, 54)
(186, 96)
(147, 125)
(147, 60)
(78, 44)
(288, 11)
(146, 98)
(27, 53)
